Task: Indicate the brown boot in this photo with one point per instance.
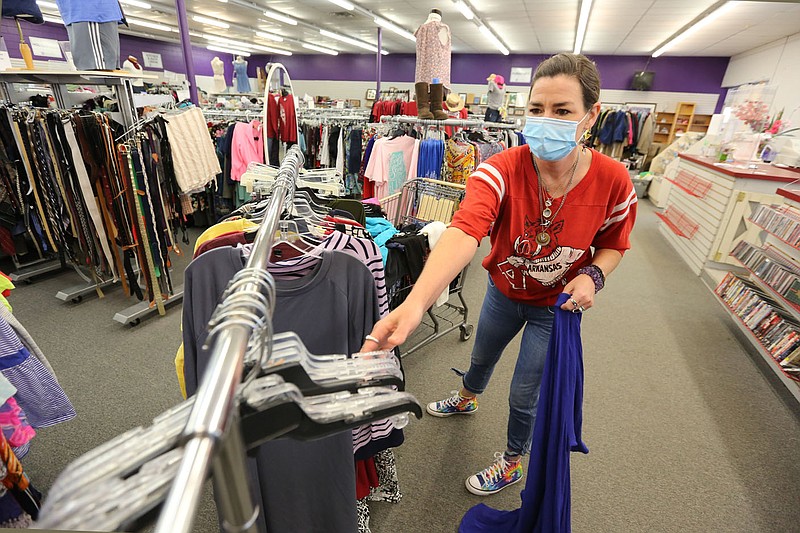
(437, 97)
(423, 100)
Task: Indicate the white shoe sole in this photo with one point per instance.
(445, 415)
(479, 492)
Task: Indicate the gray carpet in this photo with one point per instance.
(684, 430)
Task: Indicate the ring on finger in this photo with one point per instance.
(582, 309)
(574, 303)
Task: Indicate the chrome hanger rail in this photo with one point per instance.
(399, 119)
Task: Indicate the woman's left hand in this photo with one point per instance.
(581, 290)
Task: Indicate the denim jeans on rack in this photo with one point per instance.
(500, 321)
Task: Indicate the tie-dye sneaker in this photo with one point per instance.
(495, 478)
(454, 405)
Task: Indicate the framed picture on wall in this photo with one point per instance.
(463, 97)
(370, 94)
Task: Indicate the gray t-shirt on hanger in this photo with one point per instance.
(303, 486)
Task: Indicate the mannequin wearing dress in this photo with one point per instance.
(433, 51)
(240, 73)
(218, 67)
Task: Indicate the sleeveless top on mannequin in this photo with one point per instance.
(433, 57)
(219, 75)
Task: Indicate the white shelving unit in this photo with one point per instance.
(760, 236)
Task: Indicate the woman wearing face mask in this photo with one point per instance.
(561, 217)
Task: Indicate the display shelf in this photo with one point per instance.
(789, 307)
(781, 239)
(691, 184)
(678, 222)
(792, 385)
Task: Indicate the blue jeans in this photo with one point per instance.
(500, 321)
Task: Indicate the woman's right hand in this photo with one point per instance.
(393, 330)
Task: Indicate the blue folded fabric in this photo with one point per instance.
(381, 231)
(559, 417)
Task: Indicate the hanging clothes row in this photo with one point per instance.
(335, 142)
(392, 106)
(238, 142)
(396, 154)
(620, 132)
(69, 191)
(329, 264)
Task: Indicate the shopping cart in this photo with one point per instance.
(421, 201)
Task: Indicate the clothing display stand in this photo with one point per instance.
(58, 80)
(396, 119)
(208, 434)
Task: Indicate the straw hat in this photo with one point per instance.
(454, 102)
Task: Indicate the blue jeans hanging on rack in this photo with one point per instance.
(492, 115)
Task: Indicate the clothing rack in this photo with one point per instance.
(395, 93)
(448, 122)
(231, 114)
(209, 430)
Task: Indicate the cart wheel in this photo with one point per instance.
(466, 331)
(77, 299)
(136, 322)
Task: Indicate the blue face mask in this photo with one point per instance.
(551, 139)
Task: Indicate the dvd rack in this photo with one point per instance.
(775, 330)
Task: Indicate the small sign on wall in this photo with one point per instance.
(152, 60)
(5, 59)
(521, 75)
(45, 47)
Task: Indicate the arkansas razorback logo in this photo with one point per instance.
(546, 264)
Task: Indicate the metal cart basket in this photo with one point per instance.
(422, 201)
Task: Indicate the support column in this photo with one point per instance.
(379, 64)
(186, 43)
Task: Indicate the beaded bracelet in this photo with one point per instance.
(596, 273)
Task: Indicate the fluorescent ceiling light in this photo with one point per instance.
(391, 26)
(343, 4)
(225, 40)
(136, 3)
(280, 17)
(52, 18)
(216, 48)
(211, 22)
(349, 40)
(583, 21)
(148, 24)
(497, 43)
(223, 1)
(271, 50)
(321, 49)
(465, 10)
(47, 5)
(694, 27)
(270, 36)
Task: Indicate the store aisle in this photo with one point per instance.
(685, 433)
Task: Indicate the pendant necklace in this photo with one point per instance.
(545, 200)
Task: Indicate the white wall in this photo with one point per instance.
(777, 63)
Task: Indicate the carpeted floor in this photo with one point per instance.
(685, 431)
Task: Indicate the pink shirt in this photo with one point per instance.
(392, 162)
(247, 146)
